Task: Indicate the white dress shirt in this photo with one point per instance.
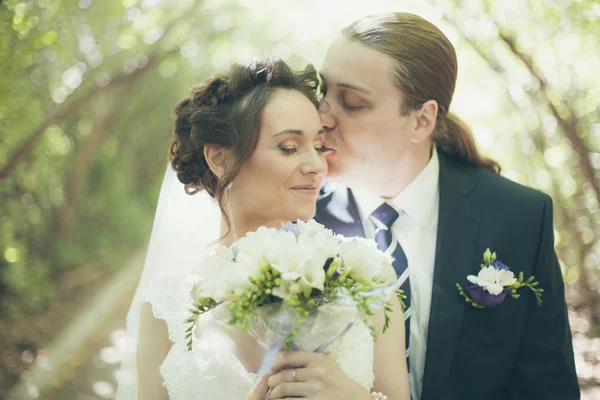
(416, 230)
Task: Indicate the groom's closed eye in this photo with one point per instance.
(349, 95)
(352, 102)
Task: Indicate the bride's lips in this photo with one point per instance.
(310, 189)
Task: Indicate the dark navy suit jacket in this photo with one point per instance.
(518, 350)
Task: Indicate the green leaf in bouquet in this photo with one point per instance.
(401, 296)
(333, 267)
(199, 307)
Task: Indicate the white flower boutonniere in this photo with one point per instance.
(493, 282)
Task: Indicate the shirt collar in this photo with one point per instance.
(417, 200)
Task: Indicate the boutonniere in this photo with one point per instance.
(494, 281)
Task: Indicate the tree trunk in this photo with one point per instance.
(83, 161)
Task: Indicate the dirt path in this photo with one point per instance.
(92, 375)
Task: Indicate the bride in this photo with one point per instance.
(250, 139)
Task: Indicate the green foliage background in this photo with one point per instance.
(86, 90)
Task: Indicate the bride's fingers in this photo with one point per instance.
(288, 375)
(291, 390)
(260, 389)
(295, 359)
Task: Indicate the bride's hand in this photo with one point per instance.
(259, 391)
(314, 376)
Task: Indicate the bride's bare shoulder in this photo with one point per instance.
(149, 323)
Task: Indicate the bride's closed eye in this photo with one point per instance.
(291, 147)
(288, 147)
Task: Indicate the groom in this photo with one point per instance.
(415, 172)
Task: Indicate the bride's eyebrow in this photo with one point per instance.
(292, 131)
(298, 132)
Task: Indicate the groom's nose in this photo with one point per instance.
(327, 118)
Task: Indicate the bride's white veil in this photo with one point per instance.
(184, 227)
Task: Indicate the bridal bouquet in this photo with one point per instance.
(286, 286)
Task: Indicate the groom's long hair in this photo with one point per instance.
(426, 69)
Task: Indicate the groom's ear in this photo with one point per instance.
(425, 121)
(217, 158)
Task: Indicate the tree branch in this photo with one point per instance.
(568, 125)
(588, 296)
(65, 112)
(59, 114)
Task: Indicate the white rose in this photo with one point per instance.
(506, 278)
(221, 291)
(322, 242)
(282, 291)
(244, 267)
(256, 244)
(363, 258)
(312, 273)
(312, 226)
(223, 278)
(286, 263)
(286, 288)
(217, 289)
(286, 256)
(224, 253)
(314, 233)
(208, 271)
(492, 280)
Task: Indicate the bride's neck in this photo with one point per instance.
(239, 227)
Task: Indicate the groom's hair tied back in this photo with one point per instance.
(426, 69)
(226, 111)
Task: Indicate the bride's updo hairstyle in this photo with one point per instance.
(226, 110)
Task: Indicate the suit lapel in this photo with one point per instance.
(337, 210)
(458, 229)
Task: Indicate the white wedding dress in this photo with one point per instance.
(212, 370)
(184, 228)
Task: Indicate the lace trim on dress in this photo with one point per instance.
(170, 298)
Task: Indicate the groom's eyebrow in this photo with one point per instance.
(354, 87)
(348, 85)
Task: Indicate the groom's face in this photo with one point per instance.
(361, 110)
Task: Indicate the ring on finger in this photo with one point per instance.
(295, 375)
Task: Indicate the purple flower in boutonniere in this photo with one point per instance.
(499, 265)
(479, 295)
(494, 281)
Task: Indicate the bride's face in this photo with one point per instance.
(281, 180)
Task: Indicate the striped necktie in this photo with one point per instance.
(384, 217)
